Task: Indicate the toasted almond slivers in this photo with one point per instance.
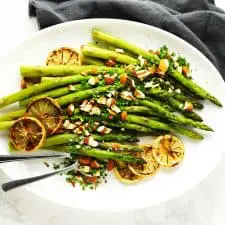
(163, 65)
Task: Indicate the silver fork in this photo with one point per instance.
(20, 182)
(15, 158)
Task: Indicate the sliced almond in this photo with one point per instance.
(110, 102)
(66, 124)
(127, 95)
(119, 50)
(93, 81)
(102, 100)
(95, 111)
(188, 106)
(139, 94)
(92, 142)
(163, 65)
(111, 112)
(71, 87)
(70, 109)
(116, 109)
(71, 126)
(142, 74)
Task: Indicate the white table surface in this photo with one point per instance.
(203, 205)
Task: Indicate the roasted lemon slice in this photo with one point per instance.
(150, 167)
(63, 56)
(125, 175)
(48, 111)
(168, 150)
(27, 134)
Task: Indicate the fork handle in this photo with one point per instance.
(14, 158)
(20, 182)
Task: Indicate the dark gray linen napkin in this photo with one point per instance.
(199, 22)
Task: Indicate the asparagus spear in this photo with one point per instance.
(98, 153)
(148, 122)
(63, 70)
(165, 95)
(140, 109)
(123, 44)
(107, 54)
(120, 124)
(180, 107)
(172, 117)
(186, 91)
(38, 88)
(80, 95)
(130, 126)
(176, 104)
(55, 93)
(103, 45)
(188, 133)
(120, 147)
(192, 86)
(12, 115)
(184, 98)
(74, 138)
(153, 58)
(160, 125)
(162, 104)
(120, 137)
(92, 61)
(142, 124)
(6, 124)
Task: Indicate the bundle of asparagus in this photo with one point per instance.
(125, 89)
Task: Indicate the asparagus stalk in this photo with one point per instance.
(162, 104)
(118, 42)
(188, 133)
(55, 93)
(142, 124)
(12, 115)
(4, 125)
(180, 107)
(63, 70)
(107, 54)
(104, 45)
(92, 61)
(67, 138)
(80, 95)
(186, 91)
(120, 137)
(119, 124)
(98, 153)
(165, 95)
(184, 98)
(163, 126)
(120, 147)
(172, 117)
(153, 58)
(176, 104)
(140, 109)
(38, 88)
(148, 122)
(130, 126)
(192, 86)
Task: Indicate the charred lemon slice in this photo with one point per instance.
(168, 150)
(150, 167)
(63, 56)
(27, 134)
(48, 111)
(125, 175)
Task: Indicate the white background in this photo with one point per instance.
(203, 205)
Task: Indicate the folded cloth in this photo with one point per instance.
(199, 22)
